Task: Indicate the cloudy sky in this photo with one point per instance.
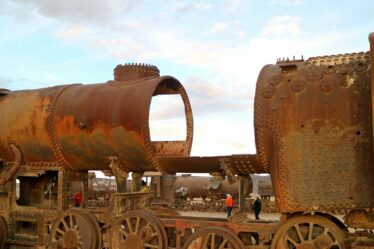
(215, 48)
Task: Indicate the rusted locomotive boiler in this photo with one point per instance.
(80, 126)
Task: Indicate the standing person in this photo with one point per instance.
(78, 199)
(257, 207)
(229, 205)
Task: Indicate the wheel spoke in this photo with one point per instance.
(151, 246)
(310, 233)
(213, 241)
(123, 231)
(153, 235)
(205, 240)
(335, 243)
(66, 226)
(310, 230)
(223, 244)
(129, 225)
(138, 229)
(290, 240)
(296, 226)
(137, 225)
(60, 231)
(71, 220)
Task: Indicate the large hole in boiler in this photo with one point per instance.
(167, 120)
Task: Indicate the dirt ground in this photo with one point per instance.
(263, 216)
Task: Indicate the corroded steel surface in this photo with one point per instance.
(234, 164)
(80, 126)
(314, 132)
(200, 186)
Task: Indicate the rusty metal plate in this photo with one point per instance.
(236, 164)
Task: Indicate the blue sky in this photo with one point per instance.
(215, 48)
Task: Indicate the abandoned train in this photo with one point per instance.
(314, 135)
(185, 192)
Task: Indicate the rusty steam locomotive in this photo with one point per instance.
(314, 135)
(185, 192)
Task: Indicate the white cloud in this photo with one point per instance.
(185, 8)
(282, 25)
(232, 2)
(86, 11)
(203, 6)
(240, 33)
(223, 135)
(74, 33)
(219, 27)
(287, 2)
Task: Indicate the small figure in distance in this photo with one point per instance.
(144, 187)
(78, 199)
(229, 204)
(257, 206)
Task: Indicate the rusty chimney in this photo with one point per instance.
(134, 71)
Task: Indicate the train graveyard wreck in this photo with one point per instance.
(181, 192)
(314, 136)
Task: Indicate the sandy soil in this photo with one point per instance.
(263, 216)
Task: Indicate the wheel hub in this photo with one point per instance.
(133, 241)
(71, 239)
(146, 233)
(323, 242)
(306, 245)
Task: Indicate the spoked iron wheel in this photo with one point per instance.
(213, 238)
(138, 230)
(76, 229)
(308, 232)
(3, 233)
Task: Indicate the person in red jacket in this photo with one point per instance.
(78, 199)
(229, 205)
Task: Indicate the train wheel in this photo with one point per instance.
(213, 237)
(3, 233)
(95, 227)
(308, 232)
(76, 229)
(138, 230)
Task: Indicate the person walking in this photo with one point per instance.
(78, 198)
(257, 207)
(229, 204)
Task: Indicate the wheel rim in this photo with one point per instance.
(3, 233)
(308, 232)
(96, 228)
(75, 230)
(138, 230)
(213, 238)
